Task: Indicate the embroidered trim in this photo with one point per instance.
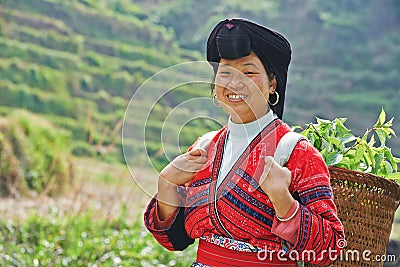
(198, 264)
(230, 243)
(216, 193)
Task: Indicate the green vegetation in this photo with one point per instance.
(341, 148)
(34, 156)
(81, 61)
(83, 240)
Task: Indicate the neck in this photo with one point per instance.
(247, 119)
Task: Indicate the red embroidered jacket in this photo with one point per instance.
(240, 209)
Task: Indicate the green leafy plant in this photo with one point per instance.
(339, 147)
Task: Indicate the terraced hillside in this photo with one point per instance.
(79, 62)
(79, 67)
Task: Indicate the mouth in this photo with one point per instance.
(236, 97)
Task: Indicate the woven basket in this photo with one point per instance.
(366, 205)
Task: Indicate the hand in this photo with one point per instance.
(275, 181)
(184, 167)
(179, 172)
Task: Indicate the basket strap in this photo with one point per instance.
(282, 154)
(285, 147)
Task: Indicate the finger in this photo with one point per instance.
(199, 166)
(269, 162)
(289, 174)
(263, 175)
(200, 155)
(197, 152)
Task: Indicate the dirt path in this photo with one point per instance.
(102, 188)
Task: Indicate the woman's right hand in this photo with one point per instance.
(184, 167)
(179, 172)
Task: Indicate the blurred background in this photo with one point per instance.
(68, 70)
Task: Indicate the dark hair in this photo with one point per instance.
(232, 43)
(238, 37)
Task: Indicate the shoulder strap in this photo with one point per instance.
(285, 147)
(204, 141)
(282, 154)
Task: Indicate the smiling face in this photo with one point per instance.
(242, 87)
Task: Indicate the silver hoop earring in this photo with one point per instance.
(276, 101)
(215, 100)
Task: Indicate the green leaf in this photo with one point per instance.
(333, 158)
(323, 122)
(371, 142)
(378, 157)
(347, 138)
(365, 165)
(326, 144)
(370, 155)
(382, 136)
(317, 144)
(392, 132)
(335, 141)
(360, 150)
(344, 163)
(388, 124)
(389, 157)
(340, 128)
(381, 119)
(387, 168)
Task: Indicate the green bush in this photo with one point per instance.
(83, 149)
(34, 155)
(33, 75)
(49, 39)
(37, 54)
(22, 96)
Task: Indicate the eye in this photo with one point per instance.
(249, 72)
(224, 72)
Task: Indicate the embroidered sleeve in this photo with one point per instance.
(163, 224)
(320, 228)
(174, 236)
(288, 230)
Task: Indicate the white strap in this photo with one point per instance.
(204, 141)
(285, 147)
(282, 153)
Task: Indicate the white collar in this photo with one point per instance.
(251, 129)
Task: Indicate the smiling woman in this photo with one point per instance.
(243, 87)
(228, 190)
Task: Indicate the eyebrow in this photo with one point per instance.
(250, 64)
(245, 64)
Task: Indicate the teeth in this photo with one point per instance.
(237, 96)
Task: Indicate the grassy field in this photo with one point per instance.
(98, 223)
(82, 240)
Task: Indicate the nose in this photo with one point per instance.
(236, 83)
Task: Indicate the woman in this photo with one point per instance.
(228, 190)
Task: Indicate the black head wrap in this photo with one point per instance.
(236, 38)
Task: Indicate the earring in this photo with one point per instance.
(276, 101)
(215, 100)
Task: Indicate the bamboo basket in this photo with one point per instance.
(366, 205)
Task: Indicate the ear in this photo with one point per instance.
(272, 86)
